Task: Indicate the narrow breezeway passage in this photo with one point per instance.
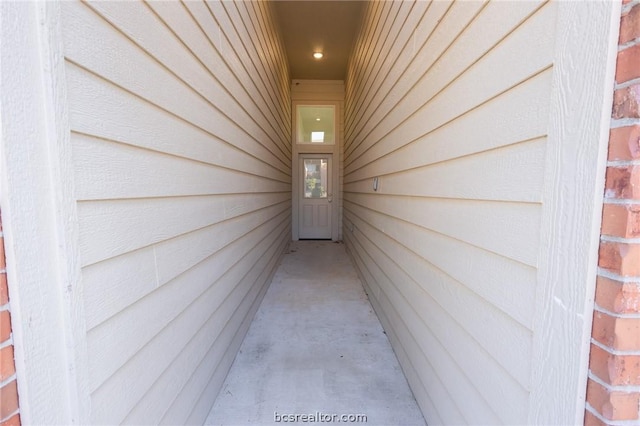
(315, 348)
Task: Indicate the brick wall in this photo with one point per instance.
(9, 413)
(613, 389)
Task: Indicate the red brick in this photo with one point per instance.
(620, 258)
(603, 328)
(589, 420)
(12, 421)
(7, 363)
(628, 64)
(624, 370)
(623, 182)
(599, 362)
(597, 396)
(3, 261)
(627, 334)
(617, 370)
(621, 220)
(617, 333)
(624, 143)
(8, 399)
(626, 102)
(625, 405)
(618, 297)
(5, 326)
(607, 291)
(614, 405)
(630, 25)
(4, 289)
(629, 301)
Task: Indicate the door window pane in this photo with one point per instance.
(315, 178)
(315, 124)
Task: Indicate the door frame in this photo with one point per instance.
(304, 149)
(299, 196)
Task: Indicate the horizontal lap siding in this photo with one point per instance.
(180, 121)
(447, 104)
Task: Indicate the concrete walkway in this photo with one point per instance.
(315, 346)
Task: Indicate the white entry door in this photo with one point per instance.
(315, 199)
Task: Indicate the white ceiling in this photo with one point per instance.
(309, 25)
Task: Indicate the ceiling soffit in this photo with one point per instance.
(326, 26)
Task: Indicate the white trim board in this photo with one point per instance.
(39, 218)
(583, 74)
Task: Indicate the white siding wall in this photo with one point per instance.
(180, 122)
(448, 104)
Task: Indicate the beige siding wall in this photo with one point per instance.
(448, 104)
(180, 121)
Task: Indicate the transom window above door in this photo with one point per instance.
(315, 124)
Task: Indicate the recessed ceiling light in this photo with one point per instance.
(318, 119)
(318, 55)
